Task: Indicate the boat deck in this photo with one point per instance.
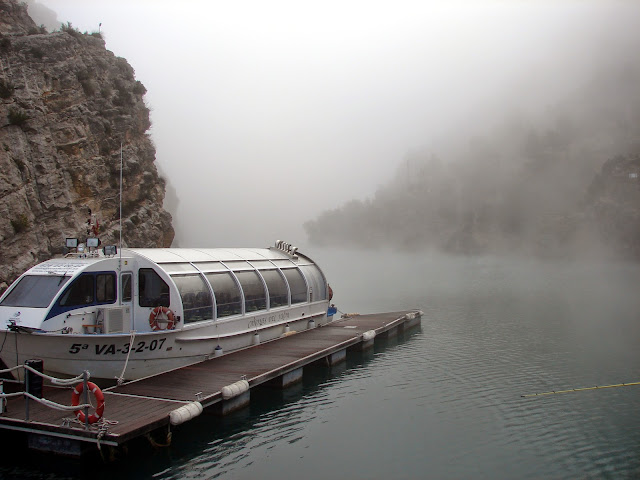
(139, 407)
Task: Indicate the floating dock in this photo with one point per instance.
(221, 385)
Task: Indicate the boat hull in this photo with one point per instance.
(134, 356)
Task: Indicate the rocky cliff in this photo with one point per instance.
(67, 105)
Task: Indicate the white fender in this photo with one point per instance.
(184, 413)
(368, 335)
(235, 389)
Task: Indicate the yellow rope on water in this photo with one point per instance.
(597, 387)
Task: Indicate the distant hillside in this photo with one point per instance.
(543, 185)
(66, 105)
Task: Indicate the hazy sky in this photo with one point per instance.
(266, 113)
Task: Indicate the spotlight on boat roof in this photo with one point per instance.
(72, 243)
(110, 250)
(93, 242)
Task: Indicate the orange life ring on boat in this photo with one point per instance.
(75, 400)
(161, 312)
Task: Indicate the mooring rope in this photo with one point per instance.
(120, 379)
(597, 387)
(103, 428)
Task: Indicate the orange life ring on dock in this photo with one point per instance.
(75, 400)
(162, 312)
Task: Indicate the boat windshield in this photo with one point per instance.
(34, 291)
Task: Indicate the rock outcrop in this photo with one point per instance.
(69, 109)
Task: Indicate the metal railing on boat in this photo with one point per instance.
(33, 390)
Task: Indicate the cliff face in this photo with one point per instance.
(66, 106)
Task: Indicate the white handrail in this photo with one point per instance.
(47, 403)
(65, 382)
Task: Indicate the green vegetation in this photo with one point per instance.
(37, 52)
(38, 30)
(139, 88)
(5, 44)
(17, 117)
(68, 28)
(20, 224)
(6, 89)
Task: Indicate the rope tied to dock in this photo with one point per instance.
(155, 444)
(103, 429)
(582, 389)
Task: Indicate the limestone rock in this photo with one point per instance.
(66, 106)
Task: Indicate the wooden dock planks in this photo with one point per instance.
(138, 407)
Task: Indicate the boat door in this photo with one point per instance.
(126, 297)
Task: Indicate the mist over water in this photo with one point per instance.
(265, 116)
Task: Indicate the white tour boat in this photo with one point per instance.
(131, 313)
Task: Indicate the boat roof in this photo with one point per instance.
(62, 266)
(180, 255)
(73, 263)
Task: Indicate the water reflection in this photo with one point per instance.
(276, 418)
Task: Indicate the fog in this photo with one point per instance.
(266, 114)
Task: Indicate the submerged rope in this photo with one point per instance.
(597, 387)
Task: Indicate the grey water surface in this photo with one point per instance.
(444, 400)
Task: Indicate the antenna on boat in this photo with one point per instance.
(120, 206)
(120, 243)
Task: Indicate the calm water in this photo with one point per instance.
(444, 401)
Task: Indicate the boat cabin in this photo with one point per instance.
(108, 291)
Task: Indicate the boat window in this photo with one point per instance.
(227, 293)
(278, 292)
(152, 290)
(81, 292)
(106, 287)
(196, 298)
(316, 281)
(296, 284)
(254, 294)
(34, 291)
(126, 287)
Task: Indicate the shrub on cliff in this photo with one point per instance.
(68, 28)
(5, 44)
(20, 224)
(6, 89)
(17, 117)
